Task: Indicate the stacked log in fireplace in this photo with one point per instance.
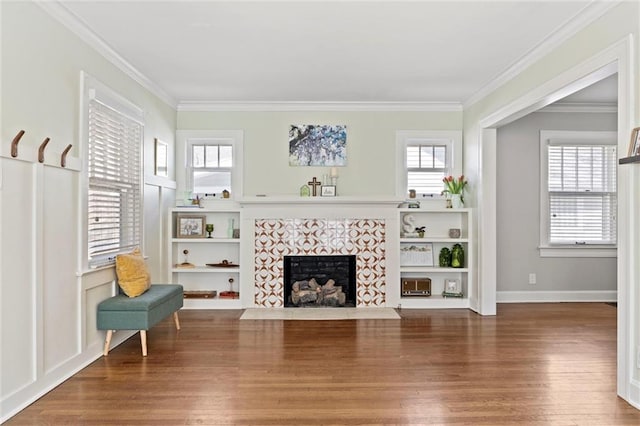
(311, 293)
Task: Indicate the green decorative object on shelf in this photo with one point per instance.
(305, 191)
(444, 260)
(457, 256)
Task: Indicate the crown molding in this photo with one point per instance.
(319, 106)
(586, 16)
(69, 20)
(588, 107)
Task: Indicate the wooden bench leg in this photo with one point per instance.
(177, 321)
(107, 342)
(143, 341)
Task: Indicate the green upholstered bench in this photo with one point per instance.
(139, 313)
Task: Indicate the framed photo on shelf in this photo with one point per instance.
(328, 191)
(160, 158)
(190, 226)
(452, 286)
(418, 254)
(634, 143)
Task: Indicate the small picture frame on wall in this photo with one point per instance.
(190, 226)
(160, 158)
(634, 143)
(328, 191)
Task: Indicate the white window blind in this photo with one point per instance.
(582, 193)
(211, 167)
(426, 167)
(114, 168)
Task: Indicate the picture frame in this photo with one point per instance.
(160, 158)
(418, 254)
(190, 226)
(328, 191)
(452, 286)
(634, 143)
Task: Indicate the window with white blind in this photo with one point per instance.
(211, 166)
(426, 159)
(578, 201)
(114, 160)
(213, 160)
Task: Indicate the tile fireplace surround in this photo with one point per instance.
(319, 226)
(276, 238)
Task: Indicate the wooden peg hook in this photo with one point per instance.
(14, 144)
(63, 157)
(43, 145)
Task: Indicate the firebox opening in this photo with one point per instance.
(320, 281)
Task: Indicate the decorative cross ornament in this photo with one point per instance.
(314, 184)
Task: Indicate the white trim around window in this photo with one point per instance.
(187, 138)
(452, 139)
(568, 138)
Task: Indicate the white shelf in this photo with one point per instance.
(204, 250)
(206, 240)
(432, 269)
(207, 269)
(434, 302)
(214, 303)
(438, 222)
(433, 240)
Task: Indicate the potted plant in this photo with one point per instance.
(453, 188)
(420, 230)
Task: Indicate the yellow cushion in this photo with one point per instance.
(133, 276)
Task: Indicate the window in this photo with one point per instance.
(425, 159)
(114, 201)
(211, 165)
(579, 189)
(213, 160)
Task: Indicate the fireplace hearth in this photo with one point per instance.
(319, 281)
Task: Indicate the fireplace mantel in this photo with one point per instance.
(292, 200)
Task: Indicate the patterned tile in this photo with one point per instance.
(276, 238)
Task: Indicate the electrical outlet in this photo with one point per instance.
(532, 278)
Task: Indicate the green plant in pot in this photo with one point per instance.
(421, 231)
(444, 260)
(457, 256)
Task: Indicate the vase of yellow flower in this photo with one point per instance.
(453, 189)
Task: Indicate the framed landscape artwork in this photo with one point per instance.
(317, 145)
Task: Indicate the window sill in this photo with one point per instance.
(572, 251)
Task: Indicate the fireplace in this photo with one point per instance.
(320, 281)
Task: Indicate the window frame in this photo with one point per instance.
(452, 139)
(187, 138)
(546, 248)
(95, 91)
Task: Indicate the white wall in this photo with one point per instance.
(518, 212)
(370, 146)
(606, 37)
(48, 303)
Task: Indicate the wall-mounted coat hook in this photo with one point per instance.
(14, 144)
(63, 157)
(43, 145)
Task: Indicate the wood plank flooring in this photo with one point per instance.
(532, 364)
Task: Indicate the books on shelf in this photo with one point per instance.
(449, 294)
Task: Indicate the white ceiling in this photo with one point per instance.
(325, 51)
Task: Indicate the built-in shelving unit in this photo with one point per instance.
(222, 246)
(437, 223)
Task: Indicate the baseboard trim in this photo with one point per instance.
(556, 296)
(634, 393)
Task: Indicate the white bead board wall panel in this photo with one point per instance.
(17, 339)
(61, 307)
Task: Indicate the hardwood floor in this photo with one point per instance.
(532, 364)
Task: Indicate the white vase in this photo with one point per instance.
(456, 201)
